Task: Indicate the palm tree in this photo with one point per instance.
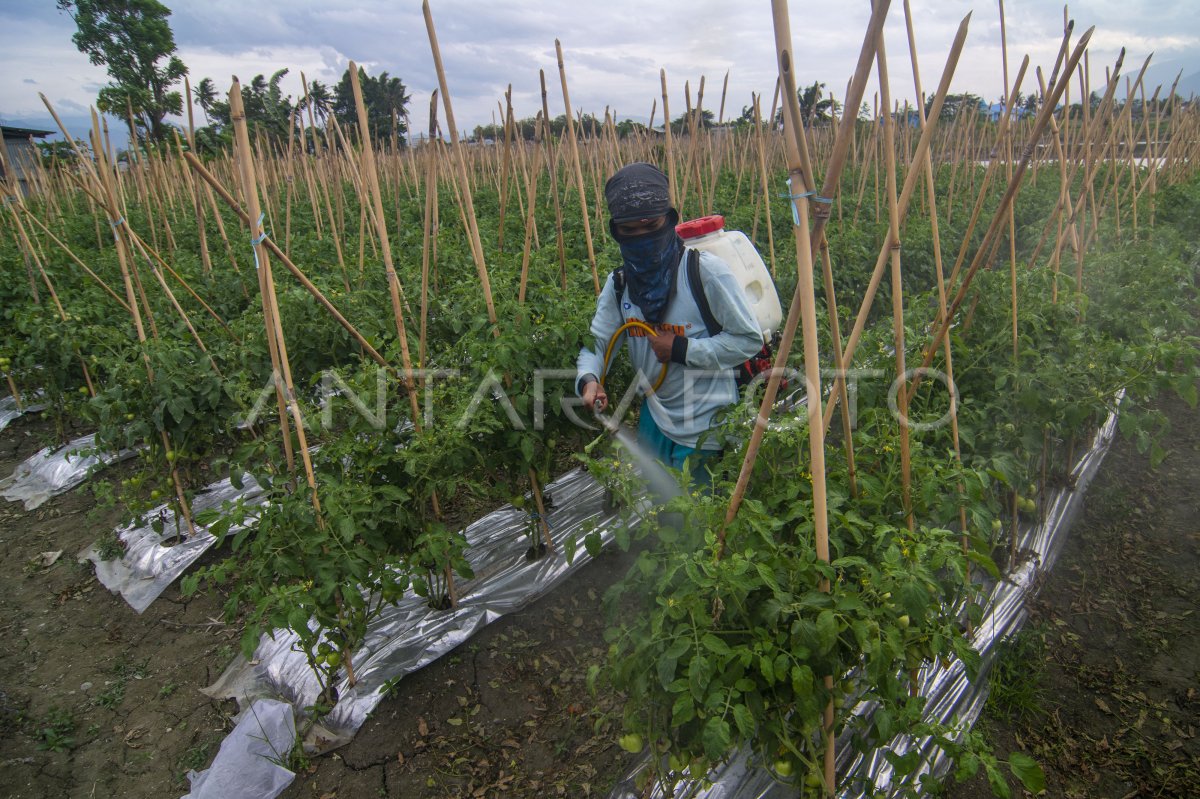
(320, 99)
(812, 107)
(206, 95)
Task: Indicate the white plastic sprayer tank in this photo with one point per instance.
(708, 233)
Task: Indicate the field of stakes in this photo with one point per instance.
(341, 370)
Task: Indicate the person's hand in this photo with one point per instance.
(594, 396)
(662, 344)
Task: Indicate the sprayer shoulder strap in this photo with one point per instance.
(618, 283)
(701, 299)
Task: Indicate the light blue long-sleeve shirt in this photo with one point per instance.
(694, 390)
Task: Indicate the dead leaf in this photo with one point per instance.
(47, 559)
(1100, 703)
(400, 758)
(422, 727)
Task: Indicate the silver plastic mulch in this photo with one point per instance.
(52, 471)
(9, 410)
(153, 558)
(950, 698)
(410, 635)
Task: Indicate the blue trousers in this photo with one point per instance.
(672, 454)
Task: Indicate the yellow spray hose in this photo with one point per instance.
(612, 343)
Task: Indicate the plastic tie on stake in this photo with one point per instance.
(118, 223)
(790, 196)
(259, 239)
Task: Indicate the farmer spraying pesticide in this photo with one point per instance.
(684, 354)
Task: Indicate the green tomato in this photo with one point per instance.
(334, 659)
(171, 456)
(813, 780)
(631, 742)
(903, 621)
(155, 494)
(996, 525)
(783, 767)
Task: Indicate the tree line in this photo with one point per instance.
(133, 40)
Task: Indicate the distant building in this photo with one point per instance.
(20, 154)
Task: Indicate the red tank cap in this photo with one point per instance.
(700, 227)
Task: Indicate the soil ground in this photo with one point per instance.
(98, 701)
(1101, 686)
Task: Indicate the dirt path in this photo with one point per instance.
(1101, 687)
(507, 714)
(95, 700)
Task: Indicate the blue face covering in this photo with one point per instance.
(650, 263)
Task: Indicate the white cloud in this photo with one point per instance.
(613, 50)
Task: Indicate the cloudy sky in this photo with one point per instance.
(613, 50)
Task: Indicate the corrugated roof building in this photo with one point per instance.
(18, 154)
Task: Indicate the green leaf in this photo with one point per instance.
(744, 720)
(666, 669)
(827, 631)
(699, 675)
(592, 673)
(996, 780)
(983, 560)
(684, 709)
(715, 645)
(716, 738)
(1027, 770)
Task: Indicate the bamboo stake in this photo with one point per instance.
(552, 165)
(1009, 194)
(937, 264)
(395, 290)
(428, 231)
(587, 225)
(910, 182)
(889, 151)
(762, 174)
(472, 226)
(103, 178)
(198, 209)
(211, 180)
(805, 294)
(281, 372)
(674, 194)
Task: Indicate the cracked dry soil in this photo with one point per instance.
(96, 700)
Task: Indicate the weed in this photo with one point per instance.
(124, 671)
(194, 759)
(169, 688)
(55, 730)
(1016, 690)
(111, 697)
(127, 670)
(109, 547)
